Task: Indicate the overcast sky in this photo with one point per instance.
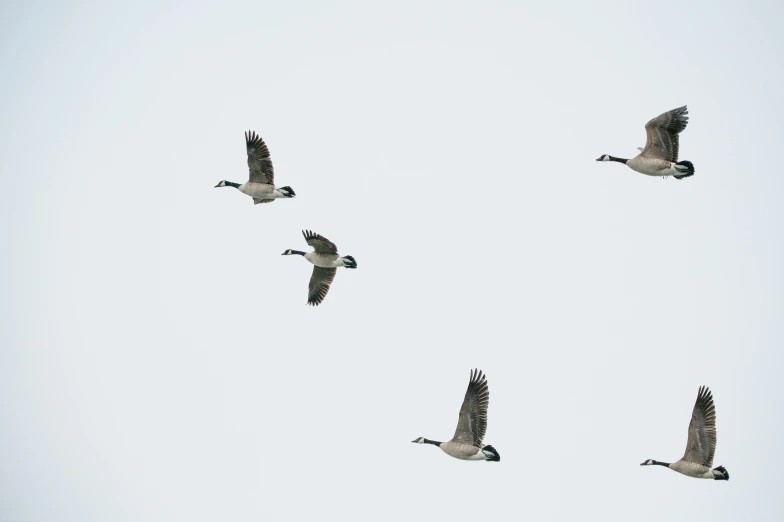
(159, 362)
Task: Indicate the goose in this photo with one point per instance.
(660, 155)
(471, 425)
(260, 186)
(325, 257)
(698, 459)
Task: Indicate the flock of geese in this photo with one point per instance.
(466, 444)
(659, 157)
(261, 187)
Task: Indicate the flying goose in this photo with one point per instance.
(471, 425)
(260, 186)
(698, 459)
(660, 155)
(325, 257)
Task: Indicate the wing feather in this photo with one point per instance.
(662, 134)
(319, 243)
(702, 430)
(259, 162)
(472, 423)
(319, 285)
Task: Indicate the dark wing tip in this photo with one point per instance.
(320, 283)
(705, 404)
(254, 140)
(680, 118)
(316, 299)
(323, 245)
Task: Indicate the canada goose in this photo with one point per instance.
(660, 155)
(325, 257)
(698, 459)
(260, 186)
(471, 425)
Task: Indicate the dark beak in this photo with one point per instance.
(413, 441)
(216, 186)
(643, 464)
(284, 253)
(600, 158)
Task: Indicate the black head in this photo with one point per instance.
(422, 440)
(603, 157)
(291, 252)
(651, 462)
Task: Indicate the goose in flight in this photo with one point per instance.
(471, 425)
(326, 258)
(698, 459)
(660, 155)
(261, 185)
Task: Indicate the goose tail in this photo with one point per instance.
(287, 191)
(721, 473)
(491, 454)
(685, 169)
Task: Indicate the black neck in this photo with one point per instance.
(433, 442)
(232, 184)
(665, 464)
(298, 252)
(619, 160)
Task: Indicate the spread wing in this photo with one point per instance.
(259, 162)
(472, 424)
(702, 430)
(663, 133)
(319, 284)
(319, 243)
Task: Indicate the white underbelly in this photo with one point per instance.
(652, 167)
(259, 190)
(462, 451)
(690, 469)
(479, 456)
(324, 260)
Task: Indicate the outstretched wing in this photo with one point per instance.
(472, 424)
(663, 133)
(259, 162)
(319, 285)
(319, 243)
(702, 430)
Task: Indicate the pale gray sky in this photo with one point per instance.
(158, 360)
